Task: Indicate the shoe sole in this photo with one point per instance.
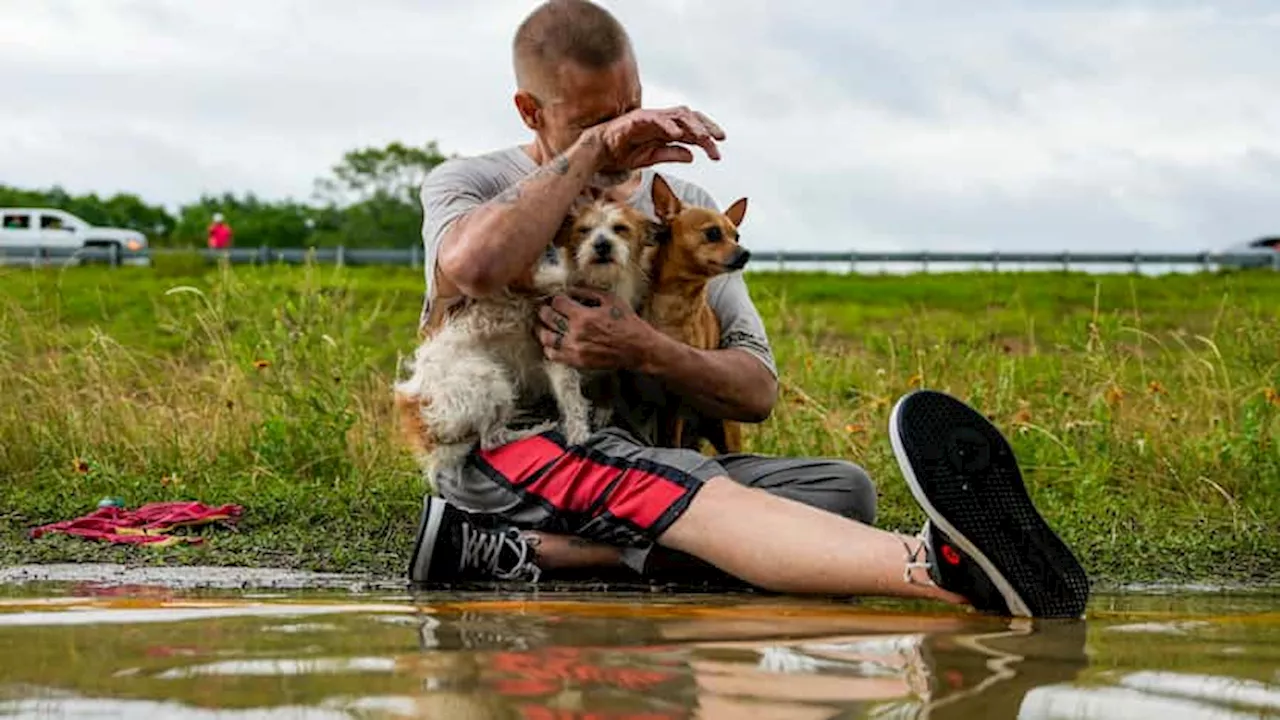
(953, 458)
(425, 543)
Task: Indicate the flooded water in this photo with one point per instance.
(138, 650)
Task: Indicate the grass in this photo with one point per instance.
(1144, 410)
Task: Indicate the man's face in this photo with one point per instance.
(584, 98)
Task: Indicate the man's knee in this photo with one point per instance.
(857, 489)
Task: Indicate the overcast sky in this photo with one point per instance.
(929, 125)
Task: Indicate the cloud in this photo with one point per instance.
(921, 125)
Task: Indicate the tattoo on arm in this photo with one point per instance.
(559, 166)
(508, 196)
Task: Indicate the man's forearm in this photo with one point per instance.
(725, 383)
(494, 243)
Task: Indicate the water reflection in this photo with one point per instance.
(847, 665)
(614, 658)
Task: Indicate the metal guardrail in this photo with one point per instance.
(412, 257)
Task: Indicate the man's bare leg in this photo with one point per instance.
(786, 546)
(808, 550)
(569, 552)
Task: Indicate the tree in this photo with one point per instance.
(395, 171)
(375, 191)
(255, 222)
(370, 200)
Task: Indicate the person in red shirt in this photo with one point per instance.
(219, 233)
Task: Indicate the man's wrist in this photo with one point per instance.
(590, 145)
(657, 353)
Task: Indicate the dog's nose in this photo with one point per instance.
(739, 259)
(602, 248)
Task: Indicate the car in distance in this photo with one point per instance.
(1258, 253)
(52, 228)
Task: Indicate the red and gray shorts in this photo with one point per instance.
(615, 490)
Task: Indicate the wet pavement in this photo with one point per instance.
(117, 643)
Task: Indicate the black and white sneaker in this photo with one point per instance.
(984, 538)
(454, 546)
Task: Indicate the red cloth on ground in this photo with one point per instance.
(147, 525)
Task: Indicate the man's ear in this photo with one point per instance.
(529, 109)
(665, 203)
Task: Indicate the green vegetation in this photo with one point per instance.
(370, 199)
(1145, 410)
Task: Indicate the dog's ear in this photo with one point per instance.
(665, 203)
(736, 212)
(659, 233)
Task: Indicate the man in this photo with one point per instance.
(219, 233)
(785, 524)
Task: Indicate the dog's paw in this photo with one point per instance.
(576, 431)
(505, 436)
(497, 438)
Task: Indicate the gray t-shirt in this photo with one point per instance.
(460, 184)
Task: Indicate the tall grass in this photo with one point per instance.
(1145, 411)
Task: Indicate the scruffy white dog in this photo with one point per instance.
(468, 378)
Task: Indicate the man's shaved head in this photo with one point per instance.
(578, 31)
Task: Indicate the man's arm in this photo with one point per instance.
(485, 249)
(731, 382)
(728, 383)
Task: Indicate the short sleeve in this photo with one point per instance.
(740, 323)
(450, 190)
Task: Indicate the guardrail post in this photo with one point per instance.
(1275, 261)
(413, 256)
(995, 262)
(1066, 261)
(115, 254)
(264, 255)
(340, 257)
(42, 254)
(1137, 263)
(853, 263)
(924, 262)
(1204, 262)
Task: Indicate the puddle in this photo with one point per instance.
(138, 650)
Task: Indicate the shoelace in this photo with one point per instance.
(482, 549)
(914, 561)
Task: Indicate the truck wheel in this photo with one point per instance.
(107, 245)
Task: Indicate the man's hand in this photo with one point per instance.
(594, 331)
(647, 137)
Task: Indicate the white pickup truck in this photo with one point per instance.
(23, 228)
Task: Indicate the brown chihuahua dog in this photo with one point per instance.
(695, 244)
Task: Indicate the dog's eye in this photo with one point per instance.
(583, 230)
(713, 234)
(620, 229)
